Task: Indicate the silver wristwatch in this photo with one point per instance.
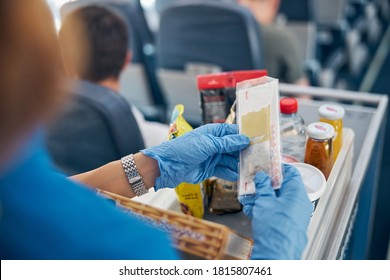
(131, 171)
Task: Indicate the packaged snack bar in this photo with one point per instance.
(190, 196)
(258, 118)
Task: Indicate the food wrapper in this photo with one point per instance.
(224, 197)
(178, 125)
(190, 196)
(258, 118)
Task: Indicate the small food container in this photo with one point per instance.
(314, 181)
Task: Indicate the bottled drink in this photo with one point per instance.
(319, 146)
(292, 128)
(333, 115)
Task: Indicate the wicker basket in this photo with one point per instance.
(191, 235)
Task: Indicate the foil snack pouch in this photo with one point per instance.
(178, 126)
(258, 118)
(190, 196)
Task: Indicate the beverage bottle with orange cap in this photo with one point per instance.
(293, 130)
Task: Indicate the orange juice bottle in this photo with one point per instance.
(333, 115)
(319, 146)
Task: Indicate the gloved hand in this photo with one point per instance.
(210, 150)
(279, 219)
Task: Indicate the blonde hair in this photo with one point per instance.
(30, 68)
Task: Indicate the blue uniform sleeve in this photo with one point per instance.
(47, 216)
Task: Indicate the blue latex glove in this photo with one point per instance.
(210, 150)
(279, 219)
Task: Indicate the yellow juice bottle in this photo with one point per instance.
(333, 115)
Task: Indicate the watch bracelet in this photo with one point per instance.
(133, 176)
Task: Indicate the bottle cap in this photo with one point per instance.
(320, 130)
(288, 105)
(331, 112)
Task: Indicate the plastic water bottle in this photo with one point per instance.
(293, 130)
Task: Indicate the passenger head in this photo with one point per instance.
(94, 43)
(265, 11)
(30, 71)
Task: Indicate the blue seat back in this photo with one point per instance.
(95, 127)
(221, 34)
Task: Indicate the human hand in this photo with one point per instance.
(279, 219)
(210, 150)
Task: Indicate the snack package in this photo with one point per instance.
(224, 197)
(218, 105)
(218, 92)
(178, 125)
(190, 196)
(214, 97)
(258, 118)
